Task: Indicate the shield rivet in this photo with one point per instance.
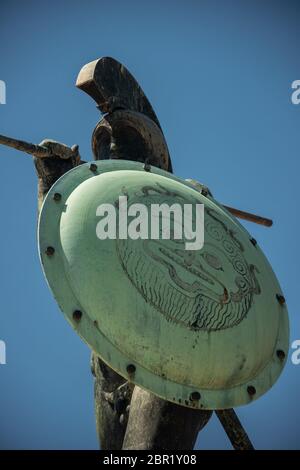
(77, 315)
(93, 167)
(147, 167)
(57, 197)
(253, 241)
(49, 251)
(280, 299)
(131, 369)
(280, 354)
(251, 390)
(195, 396)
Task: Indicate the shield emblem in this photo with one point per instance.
(205, 328)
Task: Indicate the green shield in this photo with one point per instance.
(205, 328)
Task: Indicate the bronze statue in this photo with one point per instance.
(127, 417)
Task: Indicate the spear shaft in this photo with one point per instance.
(234, 429)
(41, 152)
(32, 149)
(257, 219)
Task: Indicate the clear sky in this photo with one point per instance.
(219, 75)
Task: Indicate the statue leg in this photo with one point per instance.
(112, 398)
(156, 424)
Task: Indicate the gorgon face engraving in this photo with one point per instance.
(210, 289)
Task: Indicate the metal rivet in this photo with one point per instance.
(93, 167)
(147, 167)
(253, 241)
(195, 396)
(49, 251)
(280, 299)
(280, 354)
(251, 390)
(77, 314)
(57, 197)
(131, 369)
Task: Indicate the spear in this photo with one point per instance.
(234, 429)
(47, 148)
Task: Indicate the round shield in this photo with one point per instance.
(198, 319)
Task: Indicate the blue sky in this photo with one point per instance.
(219, 76)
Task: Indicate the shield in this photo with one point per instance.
(205, 328)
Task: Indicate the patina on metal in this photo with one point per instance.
(197, 328)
